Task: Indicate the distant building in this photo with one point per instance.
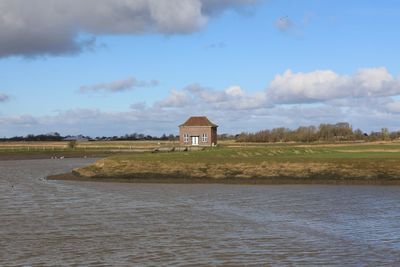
(198, 131)
(79, 138)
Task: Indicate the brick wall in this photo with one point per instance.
(198, 131)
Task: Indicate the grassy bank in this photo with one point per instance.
(345, 163)
(48, 147)
(45, 150)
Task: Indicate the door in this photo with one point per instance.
(195, 140)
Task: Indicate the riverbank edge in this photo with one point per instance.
(46, 155)
(277, 180)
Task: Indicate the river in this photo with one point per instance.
(64, 223)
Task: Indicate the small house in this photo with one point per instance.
(198, 131)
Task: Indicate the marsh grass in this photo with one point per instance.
(362, 162)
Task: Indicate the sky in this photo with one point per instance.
(114, 67)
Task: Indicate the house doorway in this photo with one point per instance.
(195, 140)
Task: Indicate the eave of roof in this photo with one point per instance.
(200, 121)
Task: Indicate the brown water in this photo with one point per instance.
(48, 223)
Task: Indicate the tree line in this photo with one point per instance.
(57, 137)
(341, 131)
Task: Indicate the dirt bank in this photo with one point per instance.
(251, 165)
(159, 178)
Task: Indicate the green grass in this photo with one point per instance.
(326, 162)
(228, 152)
(275, 153)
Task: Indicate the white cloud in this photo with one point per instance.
(21, 120)
(233, 97)
(176, 99)
(375, 82)
(284, 24)
(367, 99)
(234, 91)
(393, 107)
(138, 106)
(317, 86)
(117, 86)
(215, 45)
(4, 97)
(42, 27)
(155, 120)
(94, 122)
(205, 94)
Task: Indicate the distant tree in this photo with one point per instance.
(172, 137)
(385, 133)
(72, 144)
(164, 137)
(358, 135)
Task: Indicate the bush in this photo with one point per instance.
(72, 144)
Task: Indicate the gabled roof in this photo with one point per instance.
(198, 121)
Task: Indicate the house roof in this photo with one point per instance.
(198, 121)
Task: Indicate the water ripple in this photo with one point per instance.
(48, 223)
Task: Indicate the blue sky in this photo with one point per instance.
(145, 66)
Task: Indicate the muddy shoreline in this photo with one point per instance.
(283, 180)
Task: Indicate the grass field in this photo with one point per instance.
(129, 160)
(98, 145)
(37, 150)
(366, 162)
(229, 154)
(149, 145)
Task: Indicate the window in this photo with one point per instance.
(204, 138)
(186, 138)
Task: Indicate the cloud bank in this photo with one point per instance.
(117, 86)
(367, 99)
(195, 95)
(325, 85)
(53, 27)
(320, 86)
